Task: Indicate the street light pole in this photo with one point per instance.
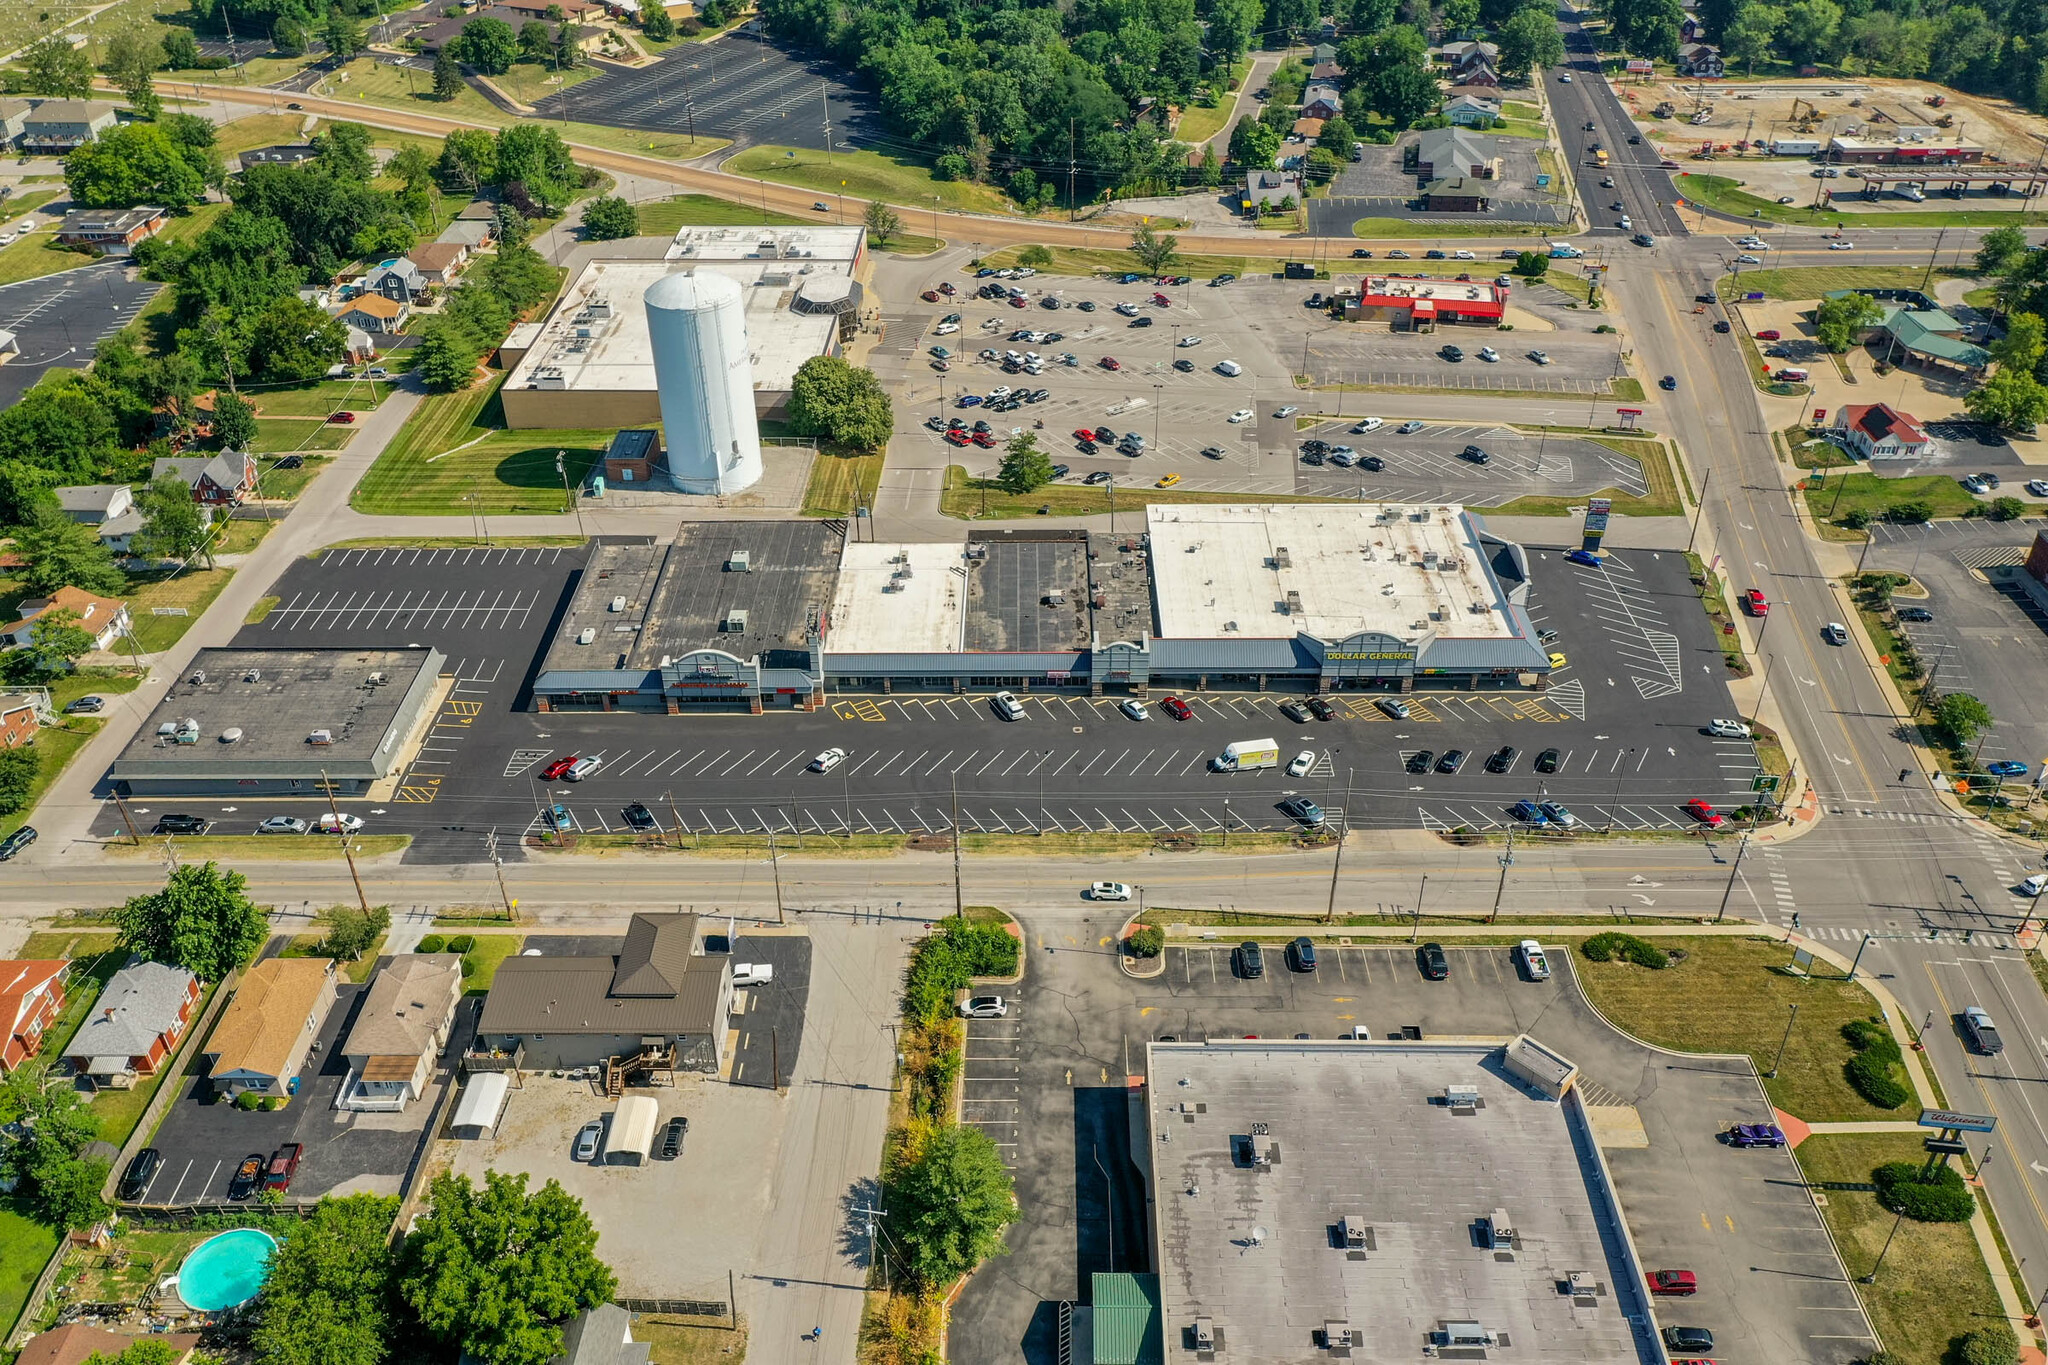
(1337, 865)
(1781, 1045)
(1507, 860)
(1871, 1278)
(1733, 869)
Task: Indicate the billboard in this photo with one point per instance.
(1639, 67)
(1597, 510)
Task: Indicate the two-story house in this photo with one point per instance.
(31, 998)
(216, 480)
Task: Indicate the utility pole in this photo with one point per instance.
(1071, 207)
(346, 852)
(1415, 930)
(1337, 865)
(1507, 860)
(498, 866)
(127, 819)
(670, 797)
(1733, 869)
(775, 866)
(1706, 480)
(959, 911)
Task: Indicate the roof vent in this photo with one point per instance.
(1205, 1334)
(198, 675)
(740, 561)
(586, 635)
(231, 735)
(320, 737)
(1293, 602)
(1281, 559)
(253, 675)
(618, 604)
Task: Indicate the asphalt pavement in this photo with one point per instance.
(58, 319)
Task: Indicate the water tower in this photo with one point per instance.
(696, 324)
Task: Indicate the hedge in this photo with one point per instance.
(1871, 1071)
(1609, 946)
(461, 943)
(432, 943)
(1147, 940)
(1992, 1344)
(1942, 1198)
(947, 963)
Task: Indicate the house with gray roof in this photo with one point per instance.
(62, 125)
(1442, 152)
(135, 1024)
(400, 1030)
(13, 118)
(601, 1336)
(109, 506)
(215, 480)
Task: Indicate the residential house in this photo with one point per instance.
(135, 1025)
(1307, 129)
(1478, 76)
(439, 262)
(1323, 52)
(95, 504)
(661, 989)
(361, 349)
(262, 1037)
(75, 1343)
(61, 125)
(285, 154)
(432, 37)
(478, 210)
(398, 280)
(601, 1336)
(1326, 73)
(1701, 62)
(1322, 101)
(13, 118)
(1442, 152)
(474, 233)
(112, 232)
(373, 313)
(319, 296)
(1690, 29)
(104, 618)
(1463, 56)
(1879, 431)
(1485, 94)
(31, 998)
(1468, 111)
(216, 480)
(21, 715)
(1456, 194)
(1269, 188)
(538, 9)
(399, 1031)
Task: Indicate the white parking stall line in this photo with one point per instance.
(629, 768)
(306, 618)
(1159, 826)
(1141, 762)
(762, 764)
(1135, 825)
(1013, 763)
(700, 771)
(414, 614)
(725, 771)
(677, 769)
(1093, 760)
(798, 757)
(356, 618)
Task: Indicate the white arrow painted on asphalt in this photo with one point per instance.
(1644, 899)
(2037, 1167)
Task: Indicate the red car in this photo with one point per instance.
(1705, 814)
(284, 1164)
(1162, 300)
(930, 296)
(1110, 362)
(986, 440)
(955, 436)
(342, 417)
(1677, 1283)
(946, 288)
(554, 770)
(1178, 709)
(1771, 335)
(1016, 302)
(1753, 602)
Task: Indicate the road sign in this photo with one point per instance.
(1962, 1123)
(1764, 782)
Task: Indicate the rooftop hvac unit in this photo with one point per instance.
(377, 679)
(1461, 1096)
(976, 550)
(198, 675)
(168, 729)
(1429, 559)
(231, 735)
(1293, 607)
(1205, 1334)
(1464, 1334)
(1336, 1335)
(320, 737)
(599, 306)
(905, 572)
(735, 619)
(586, 635)
(1281, 559)
(253, 675)
(740, 561)
(1500, 1230)
(893, 585)
(618, 604)
(1353, 1228)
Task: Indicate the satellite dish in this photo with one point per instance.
(1259, 1236)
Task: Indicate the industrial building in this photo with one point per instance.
(1383, 1201)
(283, 722)
(592, 363)
(1302, 597)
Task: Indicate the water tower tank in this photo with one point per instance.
(696, 323)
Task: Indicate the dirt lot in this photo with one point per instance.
(1764, 109)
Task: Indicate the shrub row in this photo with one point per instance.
(1871, 1072)
(1941, 1198)
(1612, 946)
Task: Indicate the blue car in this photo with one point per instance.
(1529, 813)
(2006, 767)
(984, 272)
(561, 817)
(1585, 557)
(969, 400)
(1756, 1135)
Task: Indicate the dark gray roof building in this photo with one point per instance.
(601, 1336)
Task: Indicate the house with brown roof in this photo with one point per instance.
(135, 1025)
(104, 618)
(31, 998)
(400, 1030)
(373, 313)
(660, 988)
(263, 1036)
(439, 262)
(1308, 129)
(77, 1342)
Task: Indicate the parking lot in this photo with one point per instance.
(1361, 187)
(1047, 1083)
(58, 320)
(203, 1140)
(743, 86)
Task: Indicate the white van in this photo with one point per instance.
(1007, 706)
(1229, 368)
(582, 768)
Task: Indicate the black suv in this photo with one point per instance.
(1430, 958)
(1452, 353)
(1251, 962)
(180, 824)
(1301, 955)
(1501, 759)
(1452, 760)
(639, 818)
(140, 1172)
(1315, 457)
(1322, 709)
(673, 1136)
(1546, 762)
(1476, 454)
(1419, 761)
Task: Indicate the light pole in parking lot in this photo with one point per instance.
(1789, 1022)
(1871, 1278)
(1621, 770)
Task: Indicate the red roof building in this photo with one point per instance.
(1879, 431)
(1419, 302)
(31, 998)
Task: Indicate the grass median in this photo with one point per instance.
(1660, 499)
(976, 499)
(840, 482)
(1812, 281)
(257, 848)
(666, 217)
(1734, 995)
(864, 175)
(1727, 194)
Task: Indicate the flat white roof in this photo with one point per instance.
(879, 609)
(612, 353)
(1408, 570)
(822, 244)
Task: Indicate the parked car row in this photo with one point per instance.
(329, 822)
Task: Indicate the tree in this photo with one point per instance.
(1402, 94)
(1529, 42)
(343, 151)
(1025, 468)
(1458, 16)
(1961, 717)
(326, 1299)
(1253, 143)
(2021, 346)
(1809, 30)
(469, 158)
(447, 73)
(1154, 250)
(1232, 25)
(1321, 166)
(1840, 320)
(568, 47)
(203, 921)
(292, 340)
(137, 163)
(536, 42)
(1647, 28)
(446, 358)
(55, 640)
(2000, 249)
(536, 157)
(840, 402)
(1036, 256)
(609, 218)
(1993, 1344)
(61, 552)
(656, 23)
(351, 932)
(44, 1162)
(288, 36)
(949, 1201)
(344, 37)
(1337, 136)
(487, 44)
(133, 56)
(1750, 35)
(234, 422)
(52, 66)
(494, 1272)
(2012, 400)
(882, 222)
(18, 766)
(1210, 173)
(172, 526)
(181, 50)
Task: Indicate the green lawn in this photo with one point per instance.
(1934, 1286)
(1729, 996)
(665, 217)
(423, 473)
(36, 255)
(1198, 123)
(232, 848)
(318, 398)
(26, 1246)
(976, 499)
(256, 130)
(1841, 494)
(58, 746)
(358, 971)
(1405, 228)
(1091, 261)
(290, 483)
(283, 435)
(1724, 193)
(834, 481)
(194, 590)
(483, 959)
(26, 201)
(866, 175)
(1812, 281)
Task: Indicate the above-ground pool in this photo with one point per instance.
(226, 1271)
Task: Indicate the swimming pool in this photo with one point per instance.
(226, 1271)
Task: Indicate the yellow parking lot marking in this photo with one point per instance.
(1531, 709)
(863, 709)
(418, 795)
(458, 707)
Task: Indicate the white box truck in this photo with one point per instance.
(1245, 754)
(1794, 146)
(1564, 251)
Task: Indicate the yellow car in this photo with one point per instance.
(1557, 661)
(1169, 481)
